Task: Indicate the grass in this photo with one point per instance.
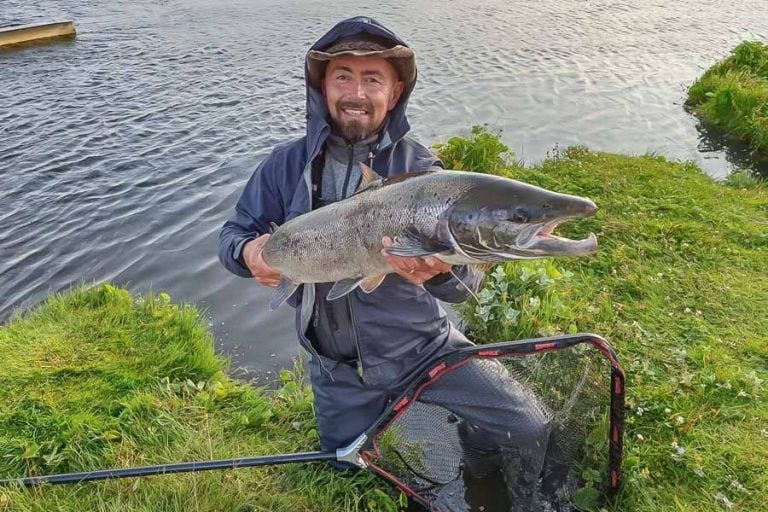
(679, 286)
(733, 94)
(98, 378)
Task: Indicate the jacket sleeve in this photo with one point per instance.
(447, 288)
(260, 204)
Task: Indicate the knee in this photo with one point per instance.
(529, 430)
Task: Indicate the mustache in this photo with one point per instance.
(356, 105)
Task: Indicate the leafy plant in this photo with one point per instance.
(482, 152)
(518, 300)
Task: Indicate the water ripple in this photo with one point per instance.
(123, 152)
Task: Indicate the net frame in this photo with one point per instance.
(424, 378)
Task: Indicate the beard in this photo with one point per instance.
(352, 130)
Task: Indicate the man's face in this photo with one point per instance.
(359, 91)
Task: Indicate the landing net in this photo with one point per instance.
(546, 421)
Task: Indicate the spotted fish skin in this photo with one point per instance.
(459, 217)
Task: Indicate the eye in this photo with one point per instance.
(520, 216)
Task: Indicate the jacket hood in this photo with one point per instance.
(318, 128)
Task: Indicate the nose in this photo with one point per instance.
(359, 89)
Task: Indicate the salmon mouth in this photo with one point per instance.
(540, 239)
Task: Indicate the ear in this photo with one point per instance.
(397, 90)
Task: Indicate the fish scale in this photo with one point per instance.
(449, 214)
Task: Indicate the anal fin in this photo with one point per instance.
(343, 287)
(371, 283)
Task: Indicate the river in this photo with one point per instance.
(123, 152)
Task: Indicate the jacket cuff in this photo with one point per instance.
(237, 253)
(442, 278)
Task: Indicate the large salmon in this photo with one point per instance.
(458, 217)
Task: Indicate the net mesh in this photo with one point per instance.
(509, 432)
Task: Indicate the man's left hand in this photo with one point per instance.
(415, 270)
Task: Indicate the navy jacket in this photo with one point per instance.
(397, 326)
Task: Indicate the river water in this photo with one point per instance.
(123, 152)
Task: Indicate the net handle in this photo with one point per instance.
(349, 454)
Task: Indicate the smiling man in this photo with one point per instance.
(359, 77)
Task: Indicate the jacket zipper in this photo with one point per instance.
(349, 170)
(360, 368)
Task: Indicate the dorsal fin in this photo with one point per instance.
(378, 181)
(369, 176)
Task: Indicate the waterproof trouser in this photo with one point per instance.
(496, 412)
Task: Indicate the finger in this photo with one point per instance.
(404, 272)
(400, 264)
(386, 241)
(272, 283)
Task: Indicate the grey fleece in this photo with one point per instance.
(340, 168)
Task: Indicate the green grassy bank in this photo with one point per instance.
(733, 94)
(98, 378)
(679, 286)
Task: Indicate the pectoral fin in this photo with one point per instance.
(284, 290)
(413, 244)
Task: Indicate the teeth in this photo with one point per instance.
(354, 112)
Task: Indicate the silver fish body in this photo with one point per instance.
(459, 217)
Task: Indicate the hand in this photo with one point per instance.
(416, 270)
(262, 272)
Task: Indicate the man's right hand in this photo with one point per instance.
(262, 272)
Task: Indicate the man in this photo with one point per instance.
(359, 77)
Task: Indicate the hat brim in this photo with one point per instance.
(401, 57)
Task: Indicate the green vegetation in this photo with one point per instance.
(733, 94)
(679, 286)
(744, 179)
(482, 151)
(97, 378)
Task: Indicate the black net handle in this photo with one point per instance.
(164, 469)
